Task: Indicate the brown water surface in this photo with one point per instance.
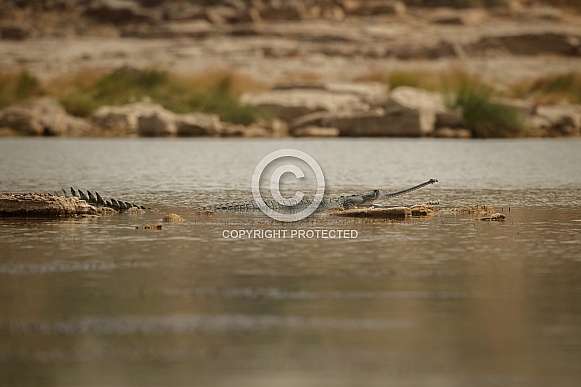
(447, 300)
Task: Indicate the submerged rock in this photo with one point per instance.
(173, 218)
(497, 216)
(374, 213)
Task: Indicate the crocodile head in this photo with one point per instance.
(370, 196)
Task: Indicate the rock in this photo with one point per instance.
(458, 17)
(494, 217)
(315, 131)
(283, 10)
(198, 124)
(289, 102)
(372, 93)
(15, 31)
(220, 14)
(422, 210)
(474, 210)
(366, 124)
(452, 133)
(528, 44)
(173, 218)
(449, 118)
(373, 7)
(238, 130)
(397, 122)
(557, 120)
(42, 117)
(35, 205)
(181, 11)
(124, 119)
(161, 123)
(425, 103)
(79, 127)
(292, 103)
(375, 213)
(151, 226)
(121, 12)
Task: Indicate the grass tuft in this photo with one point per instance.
(484, 116)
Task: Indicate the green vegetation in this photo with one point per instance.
(215, 92)
(482, 114)
(82, 93)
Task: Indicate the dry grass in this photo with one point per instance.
(550, 89)
(216, 91)
(17, 86)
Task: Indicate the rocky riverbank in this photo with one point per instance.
(322, 64)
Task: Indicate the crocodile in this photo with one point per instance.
(365, 199)
(97, 200)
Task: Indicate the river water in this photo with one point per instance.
(447, 300)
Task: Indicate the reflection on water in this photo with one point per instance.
(448, 300)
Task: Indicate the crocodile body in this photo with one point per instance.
(345, 202)
(365, 199)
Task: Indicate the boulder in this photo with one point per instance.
(78, 127)
(372, 93)
(198, 124)
(292, 103)
(557, 120)
(124, 119)
(397, 122)
(42, 117)
(289, 102)
(161, 123)
(449, 118)
(425, 103)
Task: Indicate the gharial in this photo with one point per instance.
(365, 199)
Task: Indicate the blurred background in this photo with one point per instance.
(470, 68)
